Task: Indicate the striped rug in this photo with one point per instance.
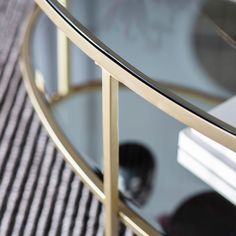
(39, 194)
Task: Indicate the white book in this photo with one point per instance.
(219, 161)
(207, 176)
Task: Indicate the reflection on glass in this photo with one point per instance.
(137, 167)
(215, 40)
(205, 214)
(136, 173)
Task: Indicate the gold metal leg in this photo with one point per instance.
(63, 59)
(110, 88)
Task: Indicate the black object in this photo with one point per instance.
(206, 214)
(137, 167)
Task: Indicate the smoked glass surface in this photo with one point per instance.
(190, 44)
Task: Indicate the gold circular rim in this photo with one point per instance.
(126, 215)
(94, 85)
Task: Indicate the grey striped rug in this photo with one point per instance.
(39, 194)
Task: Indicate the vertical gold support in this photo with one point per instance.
(63, 59)
(110, 150)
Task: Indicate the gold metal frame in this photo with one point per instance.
(79, 166)
(96, 83)
(113, 74)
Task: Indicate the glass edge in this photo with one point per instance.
(95, 42)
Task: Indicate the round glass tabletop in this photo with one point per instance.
(169, 42)
(185, 43)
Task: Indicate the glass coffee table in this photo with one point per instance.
(145, 70)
